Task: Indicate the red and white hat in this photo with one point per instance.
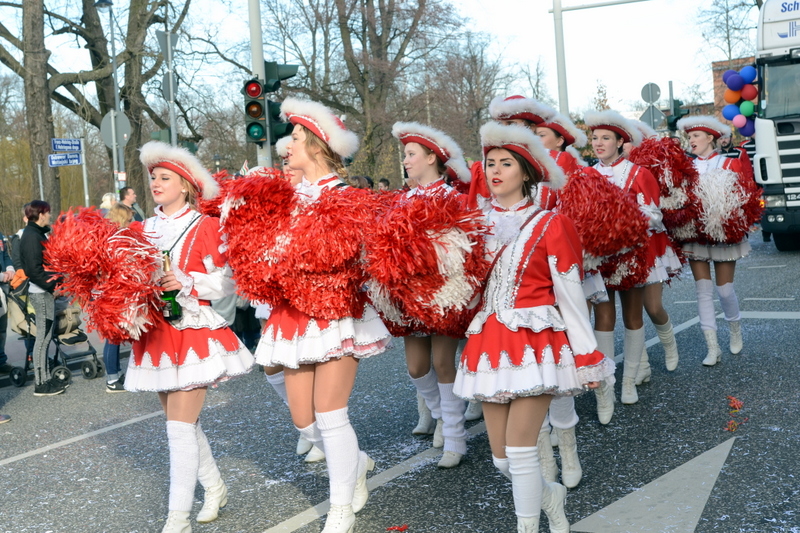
(322, 122)
(524, 142)
(519, 107)
(611, 120)
(179, 160)
(282, 146)
(704, 123)
(646, 131)
(565, 127)
(436, 141)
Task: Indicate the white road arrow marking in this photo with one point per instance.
(672, 503)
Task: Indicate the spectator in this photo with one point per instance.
(384, 185)
(6, 273)
(127, 197)
(109, 199)
(15, 259)
(122, 215)
(370, 183)
(40, 293)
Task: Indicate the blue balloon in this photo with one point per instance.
(748, 129)
(727, 74)
(730, 111)
(735, 82)
(748, 74)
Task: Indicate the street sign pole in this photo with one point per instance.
(85, 175)
(41, 186)
(173, 123)
(264, 152)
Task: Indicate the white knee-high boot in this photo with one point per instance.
(278, 382)
(705, 304)
(634, 344)
(667, 337)
(605, 393)
(547, 462)
(183, 467)
(730, 307)
(645, 372)
(502, 465)
(455, 436)
(341, 449)
(526, 480)
(430, 409)
(216, 493)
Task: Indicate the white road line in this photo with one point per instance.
(766, 266)
(768, 299)
(315, 513)
(79, 438)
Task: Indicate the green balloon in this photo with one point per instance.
(746, 108)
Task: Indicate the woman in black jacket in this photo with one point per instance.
(40, 292)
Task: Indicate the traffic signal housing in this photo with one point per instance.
(255, 115)
(676, 114)
(275, 73)
(277, 128)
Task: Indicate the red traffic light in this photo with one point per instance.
(253, 89)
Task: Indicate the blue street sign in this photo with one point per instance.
(62, 160)
(66, 145)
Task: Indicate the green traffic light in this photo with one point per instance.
(255, 131)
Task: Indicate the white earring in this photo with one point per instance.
(183, 190)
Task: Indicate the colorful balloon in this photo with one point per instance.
(748, 74)
(731, 96)
(746, 108)
(749, 92)
(730, 111)
(727, 74)
(749, 129)
(735, 82)
(739, 121)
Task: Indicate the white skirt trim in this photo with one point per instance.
(717, 252)
(536, 319)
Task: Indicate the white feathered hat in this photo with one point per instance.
(524, 142)
(519, 107)
(611, 120)
(436, 141)
(562, 124)
(282, 146)
(645, 129)
(322, 122)
(704, 123)
(179, 160)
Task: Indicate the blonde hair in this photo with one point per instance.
(120, 214)
(330, 158)
(109, 199)
(191, 192)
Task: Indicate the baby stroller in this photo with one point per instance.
(22, 319)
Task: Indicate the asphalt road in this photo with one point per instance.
(88, 461)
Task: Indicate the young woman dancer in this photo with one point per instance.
(320, 353)
(532, 338)
(431, 156)
(610, 131)
(703, 132)
(182, 357)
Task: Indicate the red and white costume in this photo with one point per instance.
(199, 349)
(292, 337)
(706, 168)
(532, 334)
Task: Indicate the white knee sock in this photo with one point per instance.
(605, 343)
(183, 464)
(278, 383)
(526, 480)
(705, 304)
(341, 453)
(428, 387)
(455, 436)
(502, 465)
(632, 350)
(207, 471)
(729, 302)
(312, 435)
(562, 412)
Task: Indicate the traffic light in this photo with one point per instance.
(277, 128)
(675, 115)
(255, 117)
(275, 73)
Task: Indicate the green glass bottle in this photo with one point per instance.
(172, 309)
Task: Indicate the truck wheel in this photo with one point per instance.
(786, 242)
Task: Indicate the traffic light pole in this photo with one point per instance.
(263, 151)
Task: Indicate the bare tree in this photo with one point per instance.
(600, 100)
(727, 26)
(535, 80)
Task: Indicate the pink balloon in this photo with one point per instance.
(739, 121)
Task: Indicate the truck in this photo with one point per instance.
(777, 125)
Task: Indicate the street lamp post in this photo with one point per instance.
(119, 162)
(216, 159)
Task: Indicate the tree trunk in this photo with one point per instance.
(38, 108)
